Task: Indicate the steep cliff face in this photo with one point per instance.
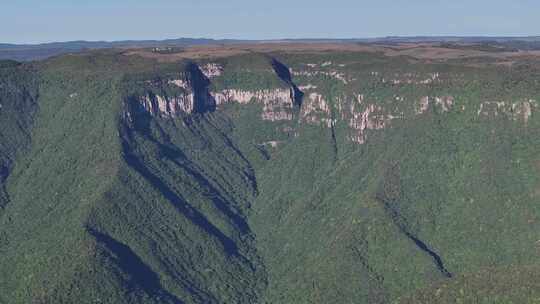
(203, 102)
(277, 104)
(171, 106)
(192, 94)
(179, 97)
(313, 104)
(284, 73)
(518, 110)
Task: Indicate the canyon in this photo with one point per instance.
(270, 173)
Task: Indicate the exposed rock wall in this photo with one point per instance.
(167, 106)
(277, 104)
(358, 112)
(444, 102)
(192, 95)
(520, 110)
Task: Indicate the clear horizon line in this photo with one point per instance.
(269, 39)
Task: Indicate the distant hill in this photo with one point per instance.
(29, 52)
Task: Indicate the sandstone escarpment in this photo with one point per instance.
(316, 110)
(167, 106)
(310, 102)
(520, 110)
(444, 102)
(178, 96)
(371, 118)
(277, 104)
(332, 74)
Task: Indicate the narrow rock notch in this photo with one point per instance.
(284, 74)
(203, 101)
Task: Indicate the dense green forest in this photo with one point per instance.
(284, 177)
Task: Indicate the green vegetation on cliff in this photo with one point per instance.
(395, 181)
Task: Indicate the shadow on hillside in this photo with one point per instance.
(140, 274)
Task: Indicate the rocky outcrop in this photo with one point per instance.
(307, 87)
(520, 110)
(277, 104)
(181, 83)
(370, 118)
(165, 106)
(444, 102)
(313, 70)
(306, 104)
(211, 70)
(191, 95)
(332, 74)
(411, 78)
(316, 110)
(272, 143)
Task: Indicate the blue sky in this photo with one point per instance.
(31, 21)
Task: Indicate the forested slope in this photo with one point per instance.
(325, 177)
